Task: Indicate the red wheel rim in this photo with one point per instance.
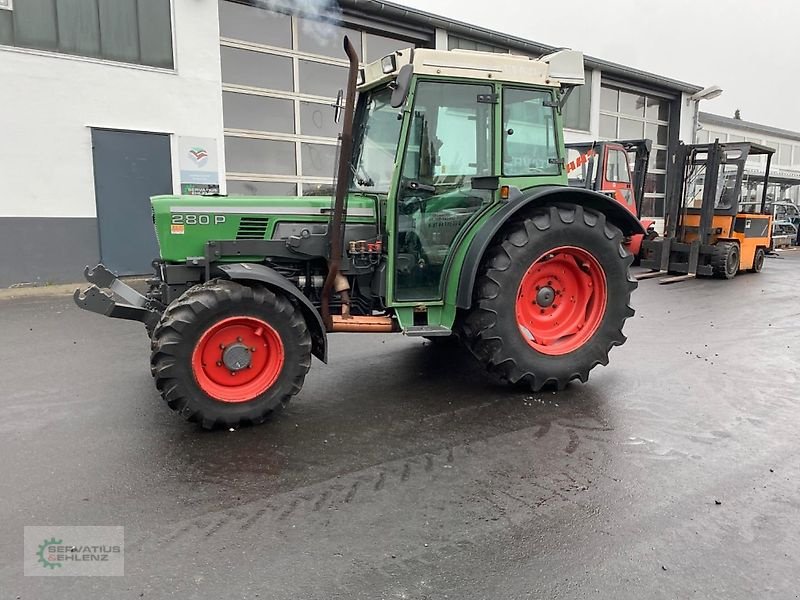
(237, 359)
(561, 300)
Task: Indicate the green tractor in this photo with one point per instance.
(451, 215)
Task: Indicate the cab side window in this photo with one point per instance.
(530, 146)
(617, 167)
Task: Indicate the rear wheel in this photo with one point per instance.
(725, 260)
(758, 260)
(226, 354)
(552, 299)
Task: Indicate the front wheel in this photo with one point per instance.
(725, 260)
(552, 299)
(227, 354)
(758, 260)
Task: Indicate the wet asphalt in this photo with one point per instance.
(401, 471)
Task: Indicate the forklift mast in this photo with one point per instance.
(641, 152)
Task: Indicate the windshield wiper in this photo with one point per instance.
(362, 178)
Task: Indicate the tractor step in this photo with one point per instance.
(428, 331)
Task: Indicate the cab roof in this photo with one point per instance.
(559, 69)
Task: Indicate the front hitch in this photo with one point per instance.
(134, 306)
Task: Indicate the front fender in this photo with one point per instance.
(275, 281)
(615, 213)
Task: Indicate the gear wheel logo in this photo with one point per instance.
(42, 550)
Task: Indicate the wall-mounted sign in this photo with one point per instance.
(198, 165)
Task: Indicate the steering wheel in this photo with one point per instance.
(408, 205)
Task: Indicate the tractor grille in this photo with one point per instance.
(252, 228)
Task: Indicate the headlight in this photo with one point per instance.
(360, 78)
(388, 64)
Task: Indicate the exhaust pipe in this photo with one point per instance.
(342, 182)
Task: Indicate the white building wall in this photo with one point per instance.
(688, 120)
(49, 102)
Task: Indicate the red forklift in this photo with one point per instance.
(606, 167)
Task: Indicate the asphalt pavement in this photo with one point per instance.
(401, 471)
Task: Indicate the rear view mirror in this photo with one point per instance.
(338, 107)
(402, 84)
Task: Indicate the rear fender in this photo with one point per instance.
(615, 213)
(250, 272)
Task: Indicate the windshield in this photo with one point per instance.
(376, 139)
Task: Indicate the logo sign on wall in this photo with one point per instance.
(198, 164)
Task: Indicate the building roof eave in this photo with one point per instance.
(712, 119)
(396, 12)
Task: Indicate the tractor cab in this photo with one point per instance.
(709, 229)
(425, 145)
(606, 167)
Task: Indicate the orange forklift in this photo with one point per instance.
(705, 232)
(605, 167)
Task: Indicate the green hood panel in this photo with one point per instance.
(184, 224)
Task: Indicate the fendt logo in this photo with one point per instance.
(199, 156)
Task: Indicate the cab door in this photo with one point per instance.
(616, 176)
(449, 143)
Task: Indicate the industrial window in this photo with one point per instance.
(576, 110)
(784, 157)
(458, 43)
(628, 114)
(256, 156)
(378, 47)
(131, 31)
(261, 188)
(280, 75)
(262, 113)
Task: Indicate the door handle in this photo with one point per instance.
(421, 187)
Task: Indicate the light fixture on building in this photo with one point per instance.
(361, 77)
(709, 93)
